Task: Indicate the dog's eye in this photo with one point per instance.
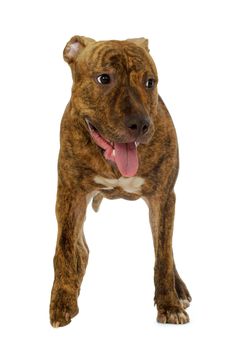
(104, 79)
(150, 83)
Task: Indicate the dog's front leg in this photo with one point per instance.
(71, 256)
(170, 309)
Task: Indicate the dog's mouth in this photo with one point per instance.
(124, 155)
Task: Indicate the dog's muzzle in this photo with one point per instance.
(124, 155)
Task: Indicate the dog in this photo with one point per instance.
(117, 140)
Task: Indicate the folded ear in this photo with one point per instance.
(75, 46)
(143, 42)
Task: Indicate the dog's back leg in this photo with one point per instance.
(171, 295)
(96, 201)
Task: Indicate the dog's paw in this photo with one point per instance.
(173, 315)
(63, 307)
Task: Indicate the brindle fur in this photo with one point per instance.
(80, 160)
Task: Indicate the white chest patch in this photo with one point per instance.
(128, 184)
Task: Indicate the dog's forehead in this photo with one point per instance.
(117, 54)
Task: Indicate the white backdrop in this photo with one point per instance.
(191, 42)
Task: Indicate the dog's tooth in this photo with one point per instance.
(114, 152)
(137, 143)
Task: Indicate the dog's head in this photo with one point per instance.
(115, 94)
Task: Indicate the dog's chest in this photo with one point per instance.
(129, 185)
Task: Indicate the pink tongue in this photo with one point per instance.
(126, 158)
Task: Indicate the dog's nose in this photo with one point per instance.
(138, 125)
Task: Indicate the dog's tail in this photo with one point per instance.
(96, 201)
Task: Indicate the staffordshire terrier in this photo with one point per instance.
(117, 140)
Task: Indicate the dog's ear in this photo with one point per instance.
(143, 42)
(75, 46)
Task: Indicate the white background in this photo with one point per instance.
(191, 42)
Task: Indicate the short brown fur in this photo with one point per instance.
(81, 160)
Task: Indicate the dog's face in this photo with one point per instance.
(115, 94)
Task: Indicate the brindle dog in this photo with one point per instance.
(117, 141)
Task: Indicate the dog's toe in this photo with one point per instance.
(56, 324)
(185, 303)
